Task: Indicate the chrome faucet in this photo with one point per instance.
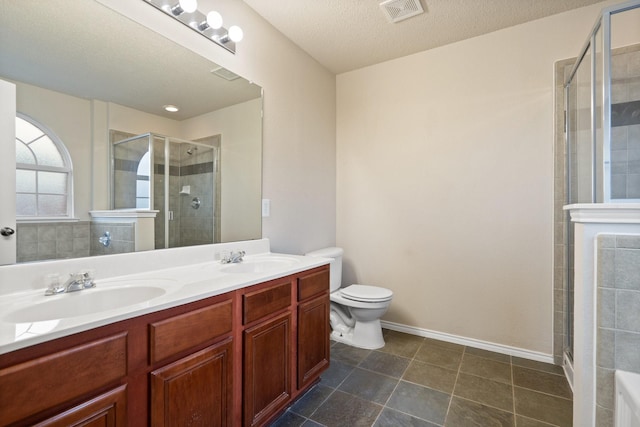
(76, 282)
(232, 257)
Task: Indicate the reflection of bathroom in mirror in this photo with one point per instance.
(109, 85)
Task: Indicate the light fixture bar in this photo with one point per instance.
(196, 21)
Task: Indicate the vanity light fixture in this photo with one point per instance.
(184, 6)
(209, 24)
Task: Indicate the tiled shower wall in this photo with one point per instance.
(618, 317)
(625, 123)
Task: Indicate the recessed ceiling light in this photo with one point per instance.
(170, 108)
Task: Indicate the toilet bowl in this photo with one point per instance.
(355, 309)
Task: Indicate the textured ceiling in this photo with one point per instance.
(344, 35)
(56, 44)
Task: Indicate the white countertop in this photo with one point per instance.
(24, 318)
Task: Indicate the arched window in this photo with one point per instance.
(43, 173)
(143, 177)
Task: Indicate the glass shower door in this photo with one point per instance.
(131, 167)
(580, 172)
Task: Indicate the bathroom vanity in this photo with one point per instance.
(218, 355)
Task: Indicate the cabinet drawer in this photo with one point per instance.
(313, 284)
(42, 383)
(179, 333)
(108, 409)
(262, 302)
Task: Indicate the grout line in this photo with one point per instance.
(384, 405)
(542, 392)
(464, 350)
(513, 390)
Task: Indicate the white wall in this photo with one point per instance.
(299, 131)
(445, 181)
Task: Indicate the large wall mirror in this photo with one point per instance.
(97, 83)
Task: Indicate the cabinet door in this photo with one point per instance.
(195, 390)
(313, 339)
(267, 364)
(107, 410)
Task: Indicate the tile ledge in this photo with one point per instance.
(605, 213)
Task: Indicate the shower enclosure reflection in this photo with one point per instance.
(179, 179)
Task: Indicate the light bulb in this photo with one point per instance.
(188, 6)
(214, 19)
(235, 33)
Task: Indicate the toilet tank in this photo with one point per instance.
(335, 266)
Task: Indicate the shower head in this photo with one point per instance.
(191, 150)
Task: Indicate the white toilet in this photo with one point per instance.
(356, 309)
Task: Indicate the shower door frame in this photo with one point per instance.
(112, 168)
(167, 168)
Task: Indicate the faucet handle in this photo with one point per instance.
(87, 279)
(53, 285)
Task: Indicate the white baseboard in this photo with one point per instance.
(471, 342)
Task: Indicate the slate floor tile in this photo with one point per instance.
(369, 385)
(485, 391)
(420, 402)
(431, 376)
(421, 382)
(465, 413)
(346, 410)
(543, 407)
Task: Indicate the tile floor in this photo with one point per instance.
(414, 381)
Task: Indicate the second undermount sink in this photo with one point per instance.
(262, 264)
(88, 301)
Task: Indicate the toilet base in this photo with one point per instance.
(367, 335)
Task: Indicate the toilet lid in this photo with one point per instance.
(366, 293)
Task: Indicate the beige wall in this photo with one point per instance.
(445, 181)
(299, 134)
(70, 120)
(240, 162)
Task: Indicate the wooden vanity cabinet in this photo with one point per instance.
(313, 326)
(266, 319)
(236, 358)
(286, 348)
(196, 389)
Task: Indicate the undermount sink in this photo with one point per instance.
(264, 264)
(87, 301)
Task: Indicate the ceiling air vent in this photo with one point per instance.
(225, 74)
(399, 10)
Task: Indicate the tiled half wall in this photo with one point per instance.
(62, 240)
(618, 317)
